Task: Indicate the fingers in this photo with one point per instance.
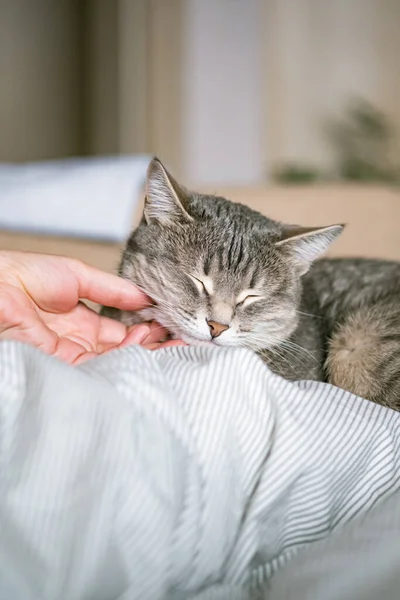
(110, 332)
(157, 333)
(107, 289)
(72, 352)
(74, 337)
(56, 283)
(19, 321)
(86, 326)
(158, 338)
(150, 336)
(84, 357)
(160, 345)
(34, 332)
(136, 335)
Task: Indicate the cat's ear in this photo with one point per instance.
(307, 244)
(165, 200)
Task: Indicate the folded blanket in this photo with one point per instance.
(359, 561)
(94, 198)
(183, 473)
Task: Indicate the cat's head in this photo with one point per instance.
(218, 272)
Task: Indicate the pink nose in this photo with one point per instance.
(216, 328)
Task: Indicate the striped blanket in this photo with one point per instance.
(183, 473)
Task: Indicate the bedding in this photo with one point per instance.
(184, 473)
(359, 561)
(91, 198)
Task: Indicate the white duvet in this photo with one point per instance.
(182, 473)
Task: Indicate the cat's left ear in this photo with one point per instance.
(308, 244)
(165, 200)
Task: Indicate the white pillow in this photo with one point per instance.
(89, 197)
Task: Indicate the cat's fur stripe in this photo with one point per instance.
(212, 265)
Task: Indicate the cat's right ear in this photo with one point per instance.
(165, 200)
(306, 244)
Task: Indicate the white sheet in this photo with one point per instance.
(185, 473)
(94, 198)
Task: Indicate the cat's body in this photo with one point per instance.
(349, 329)
(222, 274)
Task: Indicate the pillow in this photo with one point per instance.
(93, 198)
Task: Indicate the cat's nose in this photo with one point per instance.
(216, 328)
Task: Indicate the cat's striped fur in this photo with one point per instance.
(220, 273)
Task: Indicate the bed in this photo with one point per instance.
(195, 472)
(191, 473)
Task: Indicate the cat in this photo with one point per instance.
(220, 273)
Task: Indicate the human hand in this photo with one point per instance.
(40, 304)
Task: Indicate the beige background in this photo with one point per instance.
(105, 76)
(110, 76)
(372, 215)
(39, 71)
(318, 53)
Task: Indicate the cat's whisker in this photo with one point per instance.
(262, 339)
(174, 326)
(244, 255)
(255, 343)
(296, 347)
(248, 346)
(291, 348)
(162, 302)
(275, 352)
(300, 312)
(296, 359)
(153, 296)
(281, 348)
(282, 357)
(285, 355)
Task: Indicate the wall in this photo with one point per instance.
(222, 83)
(221, 89)
(99, 77)
(166, 81)
(319, 54)
(388, 44)
(39, 100)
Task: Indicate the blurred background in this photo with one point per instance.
(238, 96)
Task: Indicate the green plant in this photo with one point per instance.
(295, 174)
(361, 141)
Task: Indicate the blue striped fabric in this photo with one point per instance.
(183, 473)
(359, 561)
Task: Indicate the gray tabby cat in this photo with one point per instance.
(220, 273)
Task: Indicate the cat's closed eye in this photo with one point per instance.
(247, 300)
(204, 285)
(247, 297)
